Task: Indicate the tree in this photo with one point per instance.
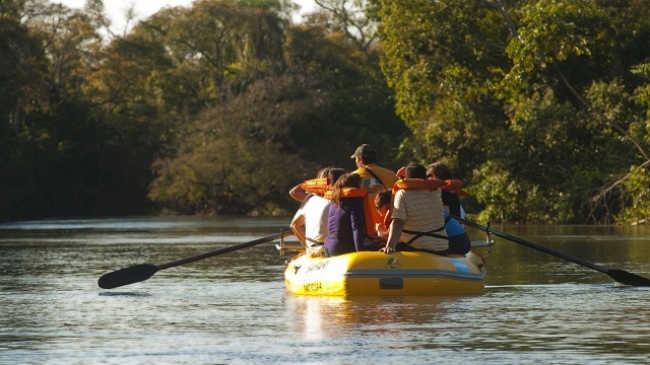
(258, 143)
(348, 17)
(514, 96)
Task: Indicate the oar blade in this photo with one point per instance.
(627, 278)
(129, 275)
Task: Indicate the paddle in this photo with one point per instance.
(138, 273)
(620, 276)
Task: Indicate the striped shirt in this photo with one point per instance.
(422, 211)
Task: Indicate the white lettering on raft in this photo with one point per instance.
(318, 266)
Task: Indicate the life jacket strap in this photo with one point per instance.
(418, 234)
(375, 176)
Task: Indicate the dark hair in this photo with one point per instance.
(416, 171)
(383, 198)
(441, 171)
(350, 180)
(334, 174)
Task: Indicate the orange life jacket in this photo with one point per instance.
(317, 186)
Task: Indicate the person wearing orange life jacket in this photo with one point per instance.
(299, 192)
(375, 178)
(417, 216)
(346, 224)
(459, 242)
(309, 223)
(450, 198)
(382, 205)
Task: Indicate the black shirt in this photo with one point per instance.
(450, 199)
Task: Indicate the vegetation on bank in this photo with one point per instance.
(541, 107)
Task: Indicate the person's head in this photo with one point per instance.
(401, 173)
(416, 171)
(324, 172)
(334, 174)
(364, 155)
(439, 170)
(349, 180)
(382, 202)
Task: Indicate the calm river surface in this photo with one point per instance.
(233, 308)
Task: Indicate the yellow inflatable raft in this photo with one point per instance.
(377, 274)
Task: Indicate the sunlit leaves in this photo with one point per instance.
(638, 192)
(541, 92)
(551, 31)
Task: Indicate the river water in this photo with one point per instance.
(233, 308)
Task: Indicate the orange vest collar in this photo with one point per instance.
(348, 193)
(316, 186)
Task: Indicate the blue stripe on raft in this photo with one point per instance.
(414, 274)
(461, 265)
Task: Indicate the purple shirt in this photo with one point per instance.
(346, 227)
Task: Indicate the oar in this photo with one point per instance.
(138, 273)
(620, 276)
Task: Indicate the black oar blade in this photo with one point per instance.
(130, 275)
(627, 278)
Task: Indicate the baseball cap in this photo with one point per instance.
(365, 151)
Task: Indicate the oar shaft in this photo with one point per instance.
(534, 246)
(138, 273)
(225, 250)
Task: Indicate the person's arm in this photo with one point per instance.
(298, 227)
(396, 227)
(451, 202)
(397, 223)
(382, 233)
(298, 193)
(358, 222)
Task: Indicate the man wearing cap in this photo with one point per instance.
(374, 178)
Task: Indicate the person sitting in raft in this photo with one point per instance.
(382, 205)
(309, 224)
(459, 242)
(450, 199)
(417, 218)
(346, 221)
(374, 178)
(300, 194)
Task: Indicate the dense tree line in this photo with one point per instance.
(219, 108)
(540, 106)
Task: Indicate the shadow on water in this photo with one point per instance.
(123, 294)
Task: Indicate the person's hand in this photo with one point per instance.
(387, 250)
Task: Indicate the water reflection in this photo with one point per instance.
(577, 319)
(323, 318)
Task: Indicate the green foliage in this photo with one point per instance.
(538, 95)
(259, 142)
(345, 98)
(221, 169)
(636, 186)
(216, 108)
(541, 107)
